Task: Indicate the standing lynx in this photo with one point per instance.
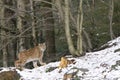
(32, 54)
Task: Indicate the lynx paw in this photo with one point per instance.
(43, 64)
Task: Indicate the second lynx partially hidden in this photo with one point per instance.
(32, 54)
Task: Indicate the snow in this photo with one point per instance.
(99, 65)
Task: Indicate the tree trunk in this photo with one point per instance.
(60, 9)
(49, 30)
(89, 44)
(111, 10)
(2, 22)
(79, 28)
(21, 9)
(67, 30)
(33, 22)
(71, 47)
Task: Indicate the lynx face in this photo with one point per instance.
(32, 54)
(42, 47)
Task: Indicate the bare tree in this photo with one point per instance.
(71, 47)
(33, 22)
(111, 10)
(87, 45)
(79, 28)
(67, 29)
(49, 32)
(48, 27)
(60, 9)
(3, 39)
(21, 9)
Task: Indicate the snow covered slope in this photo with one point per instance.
(100, 65)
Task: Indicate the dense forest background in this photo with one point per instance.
(25, 23)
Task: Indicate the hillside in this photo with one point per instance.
(99, 65)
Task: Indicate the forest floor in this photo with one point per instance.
(99, 65)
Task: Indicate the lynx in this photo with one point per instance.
(32, 54)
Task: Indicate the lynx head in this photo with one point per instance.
(42, 46)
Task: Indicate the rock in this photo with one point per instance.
(9, 75)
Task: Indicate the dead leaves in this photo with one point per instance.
(65, 62)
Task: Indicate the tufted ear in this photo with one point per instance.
(43, 43)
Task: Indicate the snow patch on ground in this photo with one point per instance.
(101, 65)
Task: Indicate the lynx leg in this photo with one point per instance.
(35, 64)
(18, 65)
(41, 62)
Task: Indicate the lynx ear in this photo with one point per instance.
(43, 43)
